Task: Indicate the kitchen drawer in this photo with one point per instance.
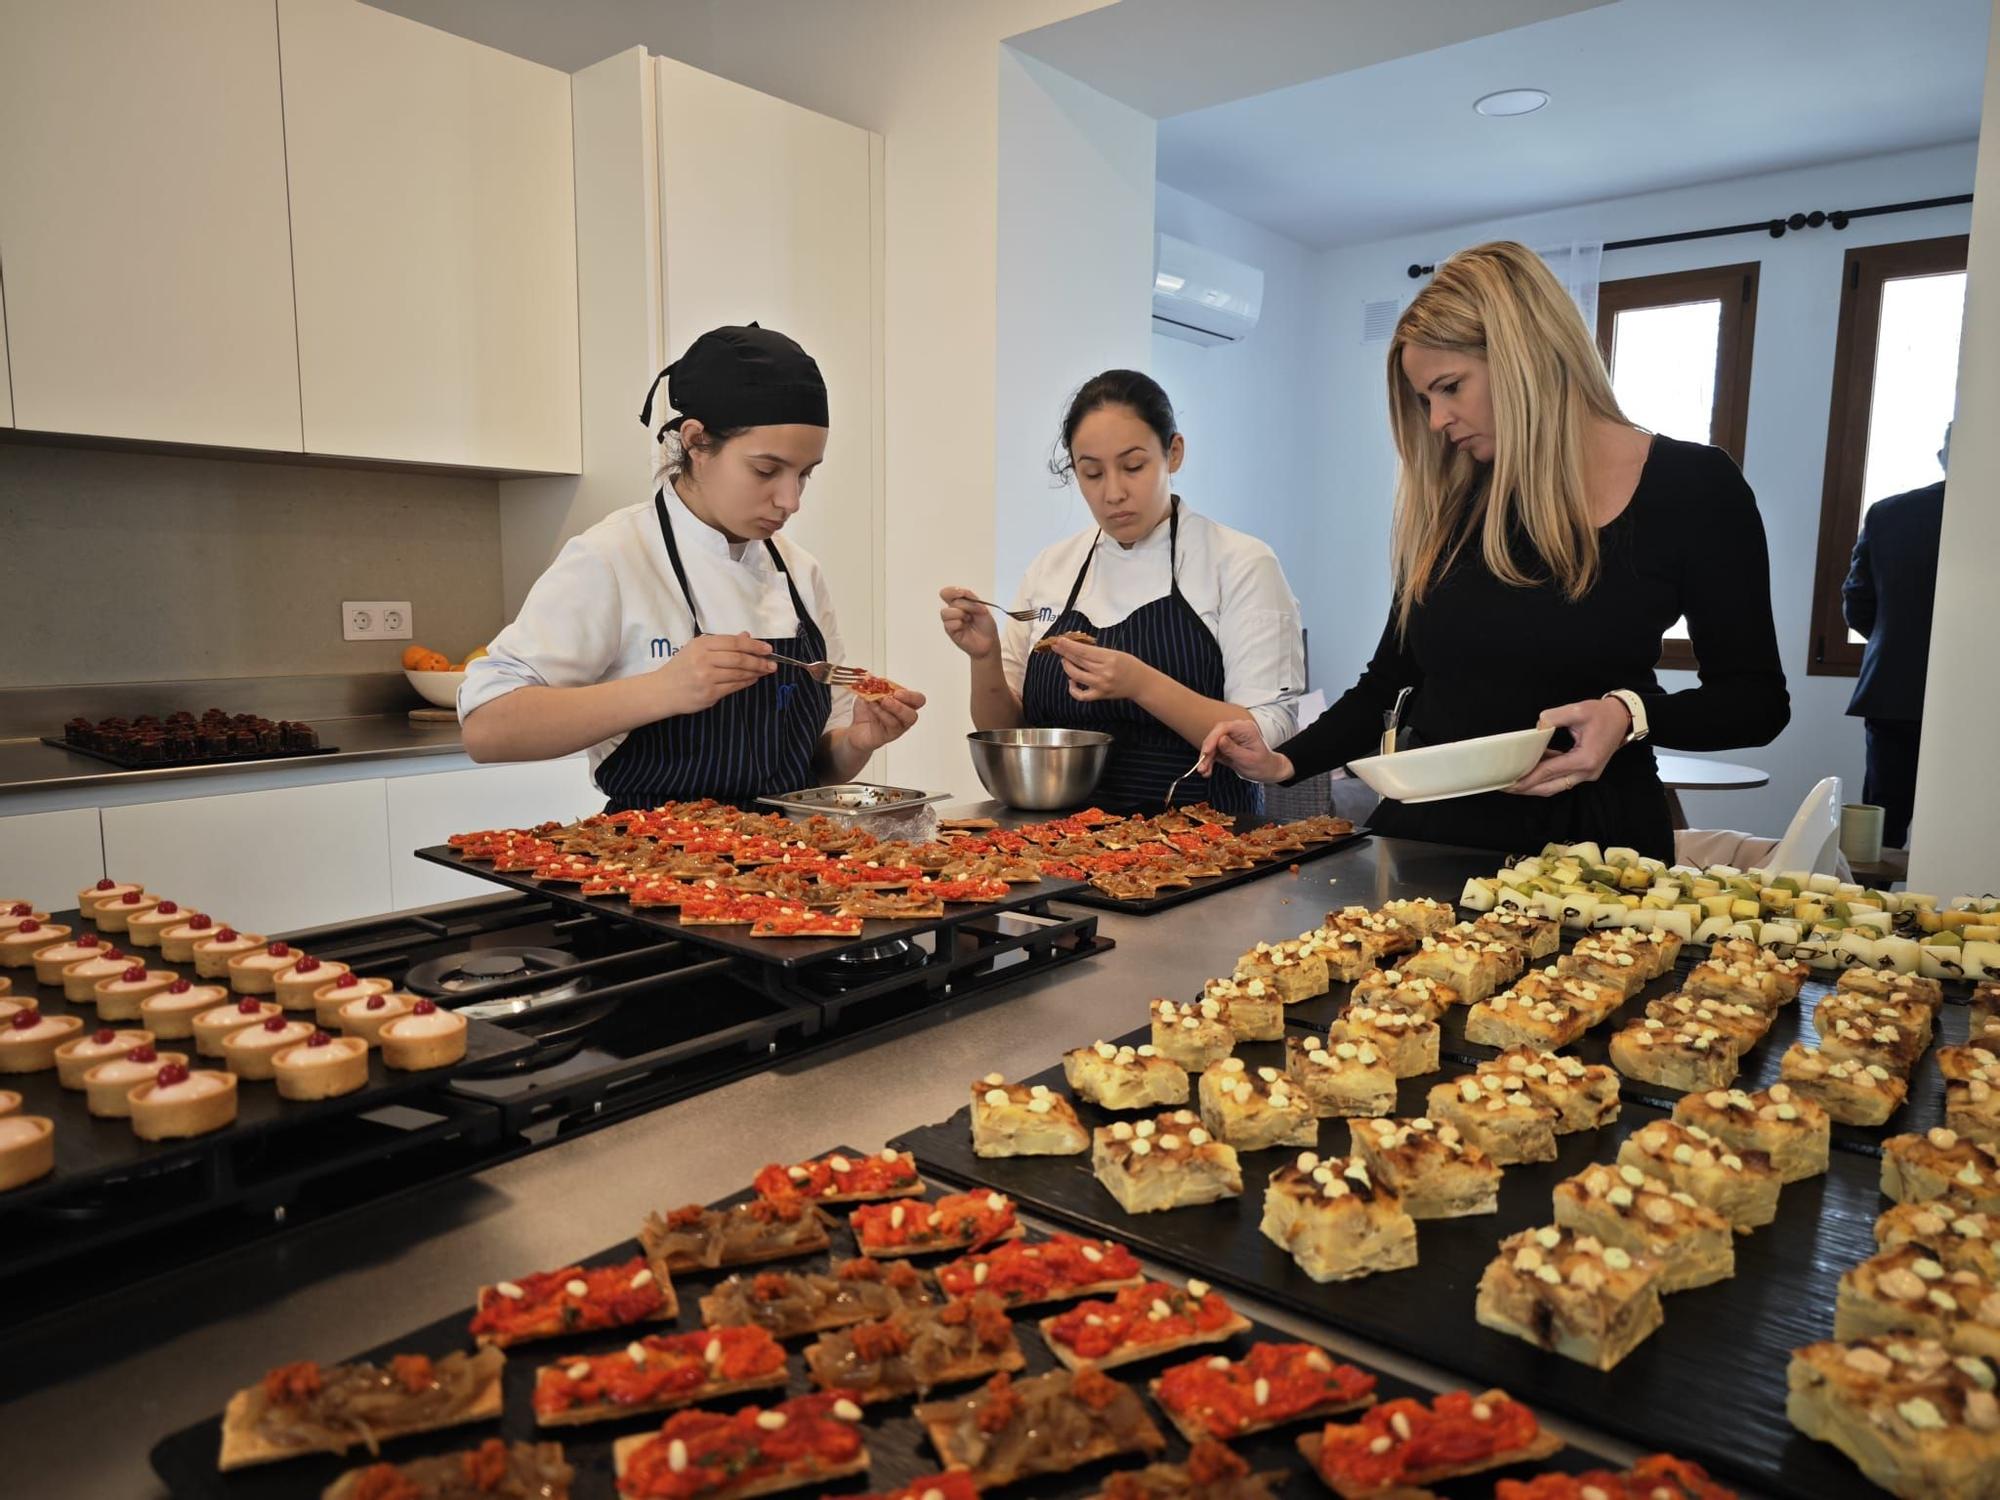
(268, 861)
(48, 857)
(426, 810)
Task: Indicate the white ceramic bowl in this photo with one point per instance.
(439, 689)
(1462, 768)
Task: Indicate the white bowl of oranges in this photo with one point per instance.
(436, 676)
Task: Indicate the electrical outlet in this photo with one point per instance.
(375, 620)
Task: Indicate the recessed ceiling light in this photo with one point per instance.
(1511, 102)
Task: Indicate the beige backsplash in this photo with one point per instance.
(133, 567)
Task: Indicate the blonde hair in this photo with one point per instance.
(1502, 303)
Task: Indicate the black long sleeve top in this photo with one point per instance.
(1485, 657)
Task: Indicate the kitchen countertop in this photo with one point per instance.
(27, 765)
(135, 1367)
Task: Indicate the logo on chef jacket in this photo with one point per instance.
(664, 649)
(1046, 613)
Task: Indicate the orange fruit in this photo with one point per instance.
(413, 658)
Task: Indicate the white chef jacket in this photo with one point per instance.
(1232, 580)
(609, 607)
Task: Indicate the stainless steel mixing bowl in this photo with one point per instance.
(1039, 769)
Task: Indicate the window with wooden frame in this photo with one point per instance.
(1678, 349)
(1895, 382)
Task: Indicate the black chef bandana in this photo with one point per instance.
(741, 377)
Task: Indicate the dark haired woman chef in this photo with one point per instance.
(1191, 618)
(649, 641)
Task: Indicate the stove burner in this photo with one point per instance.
(498, 964)
(458, 973)
(888, 955)
(860, 967)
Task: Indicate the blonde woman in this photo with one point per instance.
(1542, 547)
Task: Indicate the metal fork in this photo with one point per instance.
(825, 671)
(1012, 614)
(1267, 703)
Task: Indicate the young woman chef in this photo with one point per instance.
(1193, 622)
(650, 639)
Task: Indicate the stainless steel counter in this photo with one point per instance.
(138, 1367)
(27, 765)
(365, 713)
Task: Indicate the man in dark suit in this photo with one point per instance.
(1887, 598)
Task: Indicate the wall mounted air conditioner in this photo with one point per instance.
(1201, 296)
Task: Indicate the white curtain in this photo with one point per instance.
(1576, 265)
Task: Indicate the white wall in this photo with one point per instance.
(1074, 278)
(1246, 409)
(1955, 836)
(1798, 304)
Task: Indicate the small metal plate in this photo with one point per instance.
(854, 799)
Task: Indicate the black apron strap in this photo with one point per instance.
(1173, 565)
(680, 573)
(1081, 574)
(798, 604)
(674, 557)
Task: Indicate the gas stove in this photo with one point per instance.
(458, 974)
(621, 1022)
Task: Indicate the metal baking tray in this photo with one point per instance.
(855, 800)
(888, 812)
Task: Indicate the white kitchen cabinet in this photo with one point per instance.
(434, 243)
(143, 229)
(266, 861)
(782, 228)
(48, 857)
(427, 810)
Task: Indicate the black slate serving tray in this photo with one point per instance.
(134, 763)
(185, 1460)
(90, 1151)
(1923, 1107)
(1708, 1385)
(784, 953)
(1208, 885)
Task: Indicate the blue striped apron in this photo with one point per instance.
(1147, 756)
(757, 741)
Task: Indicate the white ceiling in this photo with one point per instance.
(1646, 95)
(1167, 57)
(1162, 57)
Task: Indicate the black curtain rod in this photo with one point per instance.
(1838, 218)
